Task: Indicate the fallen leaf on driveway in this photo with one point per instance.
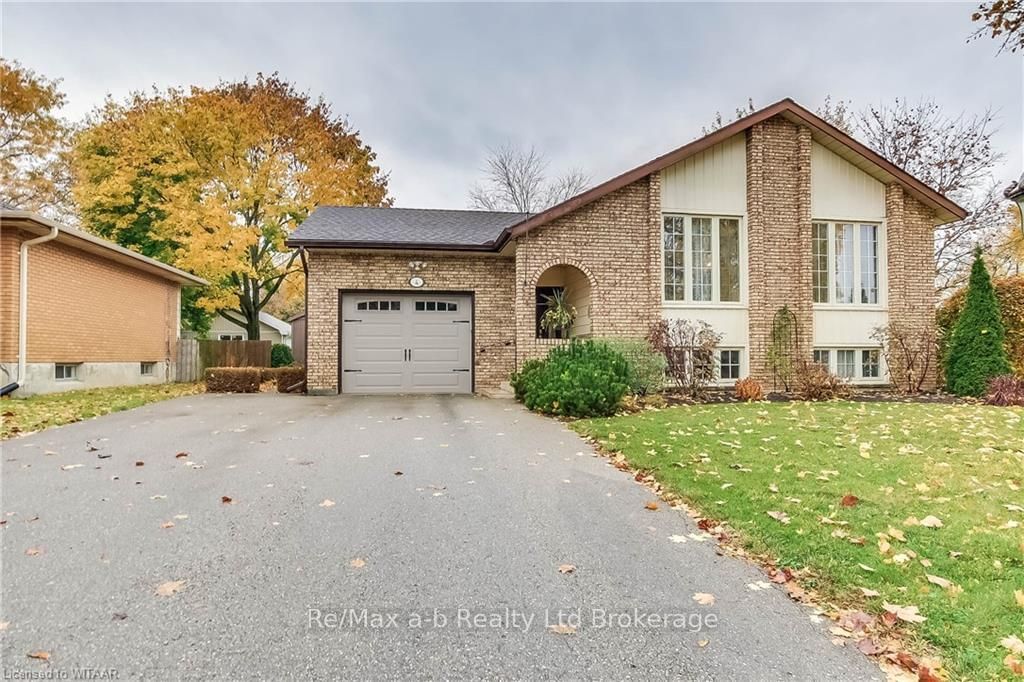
(677, 538)
(398, 473)
(40, 655)
(180, 455)
(904, 613)
(181, 517)
(140, 463)
(566, 568)
(357, 563)
(781, 517)
(4, 625)
(33, 551)
(868, 647)
(226, 500)
(849, 500)
(170, 587)
(703, 643)
(931, 522)
(68, 467)
(652, 506)
(327, 503)
(562, 629)
(704, 598)
(167, 524)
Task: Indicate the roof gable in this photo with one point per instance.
(826, 134)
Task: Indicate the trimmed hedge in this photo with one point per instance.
(233, 379)
(288, 377)
(269, 373)
(580, 379)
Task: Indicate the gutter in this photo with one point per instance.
(23, 300)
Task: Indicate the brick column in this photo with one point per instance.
(654, 248)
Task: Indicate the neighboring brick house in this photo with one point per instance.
(97, 314)
(776, 210)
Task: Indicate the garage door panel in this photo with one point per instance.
(414, 343)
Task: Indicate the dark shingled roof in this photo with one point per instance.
(367, 227)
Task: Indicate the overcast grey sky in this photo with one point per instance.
(603, 87)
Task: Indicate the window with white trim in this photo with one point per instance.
(851, 364)
(147, 369)
(229, 337)
(701, 259)
(729, 364)
(845, 264)
(65, 371)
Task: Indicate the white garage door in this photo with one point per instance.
(406, 343)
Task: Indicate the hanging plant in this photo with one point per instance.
(560, 314)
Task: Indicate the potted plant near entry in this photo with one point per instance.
(559, 316)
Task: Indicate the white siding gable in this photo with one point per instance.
(711, 182)
(840, 190)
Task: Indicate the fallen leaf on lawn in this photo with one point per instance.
(849, 500)
(357, 563)
(884, 546)
(781, 517)
(226, 500)
(1014, 507)
(866, 568)
(1013, 643)
(868, 593)
(33, 551)
(936, 580)
(931, 522)
(911, 521)
(562, 629)
(652, 506)
(704, 598)
(908, 614)
(855, 621)
(900, 559)
(167, 524)
(566, 568)
(1018, 596)
(1015, 664)
(327, 503)
(170, 587)
(1009, 525)
(896, 533)
(40, 655)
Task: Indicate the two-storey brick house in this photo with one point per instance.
(778, 209)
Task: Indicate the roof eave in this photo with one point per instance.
(391, 246)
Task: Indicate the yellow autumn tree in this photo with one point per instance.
(33, 142)
(214, 180)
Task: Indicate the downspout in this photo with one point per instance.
(23, 301)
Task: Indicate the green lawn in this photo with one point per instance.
(26, 415)
(963, 464)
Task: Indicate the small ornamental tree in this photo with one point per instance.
(976, 350)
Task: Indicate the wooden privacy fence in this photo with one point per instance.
(195, 355)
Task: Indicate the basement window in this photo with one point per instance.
(65, 372)
(147, 369)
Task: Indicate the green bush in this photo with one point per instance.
(646, 366)
(281, 355)
(976, 349)
(580, 379)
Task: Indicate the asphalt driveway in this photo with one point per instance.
(455, 560)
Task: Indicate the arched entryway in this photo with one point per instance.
(566, 286)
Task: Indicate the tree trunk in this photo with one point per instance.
(252, 327)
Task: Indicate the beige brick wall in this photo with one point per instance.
(779, 235)
(488, 277)
(615, 242)
(910, 241)
(84, 308)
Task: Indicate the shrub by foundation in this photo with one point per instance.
(288, 377)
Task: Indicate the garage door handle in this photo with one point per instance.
(460, 321)
(351, 320)
(460, 370)
(353, 370)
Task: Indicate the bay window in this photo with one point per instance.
(701, 258)
(845, 263)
